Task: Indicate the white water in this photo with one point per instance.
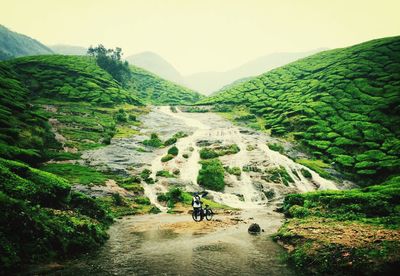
(208, 126)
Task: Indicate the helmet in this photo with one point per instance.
(196, 193)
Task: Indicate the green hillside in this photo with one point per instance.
(24, 133)
(342, 104)
(71, 97)
(73, 78)
(155, 90)
(13, 44)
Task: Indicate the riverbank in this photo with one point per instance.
(354, 232)
(173, 244)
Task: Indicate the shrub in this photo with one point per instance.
(170, 141)
(173, 151)
(306, 173)
(211, 175)
(164, 173)
(276, 147)
(234, 170)
(145, 175)
(121, 116)
(142, 200)
(167, 158)
(278, 175)
(154, 141)
(118, 200)
(180, 134)
(206, 153)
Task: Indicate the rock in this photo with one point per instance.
(254, 228)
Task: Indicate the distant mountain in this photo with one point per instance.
(68, 50)
(157, 65)
(208, 82)
(13, 44)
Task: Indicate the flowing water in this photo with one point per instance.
(166, 244)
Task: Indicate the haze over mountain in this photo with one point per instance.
(65, 49)
(13, 44)
(208, 82)
(157, 65)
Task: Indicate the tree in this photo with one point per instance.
(110, 61)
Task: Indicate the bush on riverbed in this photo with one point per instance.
(211, 175)
(173, 151)
(154, 141)
(209, 153)
(167, 158)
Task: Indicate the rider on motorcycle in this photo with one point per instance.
(196, 201)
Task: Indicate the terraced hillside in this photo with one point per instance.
(342, 104)
(155, 90)
(73, 78)
(51, 109)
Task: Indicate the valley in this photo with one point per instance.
(172, 241)
(99, 161)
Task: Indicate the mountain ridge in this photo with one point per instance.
(13, 44)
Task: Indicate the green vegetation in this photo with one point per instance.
(195, 109)
(316, 165)
(75, 173)
(276, 147)
(79, 78)
(306, 173)
(155, 90)
(344, 232)
(170, 141)
(342, 104)
(173, 151)
(25, 134)
(278, 175)
(87, 126)
(233, 170)
(145, 175)
(167, 157)
(211, 175)
(209, 153)
(164, 173)
(174, 195)
(41, 218)
(154, 141)
(110, 61)
(85, 107)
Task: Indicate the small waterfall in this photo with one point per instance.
(250, 189)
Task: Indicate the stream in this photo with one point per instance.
(166, 244)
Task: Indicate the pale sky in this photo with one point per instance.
(204, 35)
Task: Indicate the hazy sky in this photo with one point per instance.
(204, 35)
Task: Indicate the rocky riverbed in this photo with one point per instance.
(166, 244)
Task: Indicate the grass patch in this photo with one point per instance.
(316, 165)
(77, 174)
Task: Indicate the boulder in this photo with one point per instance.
(254, 228)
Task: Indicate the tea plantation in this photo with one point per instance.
(41, 97)
(342, 104)
(74, 78)
(155, 90)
